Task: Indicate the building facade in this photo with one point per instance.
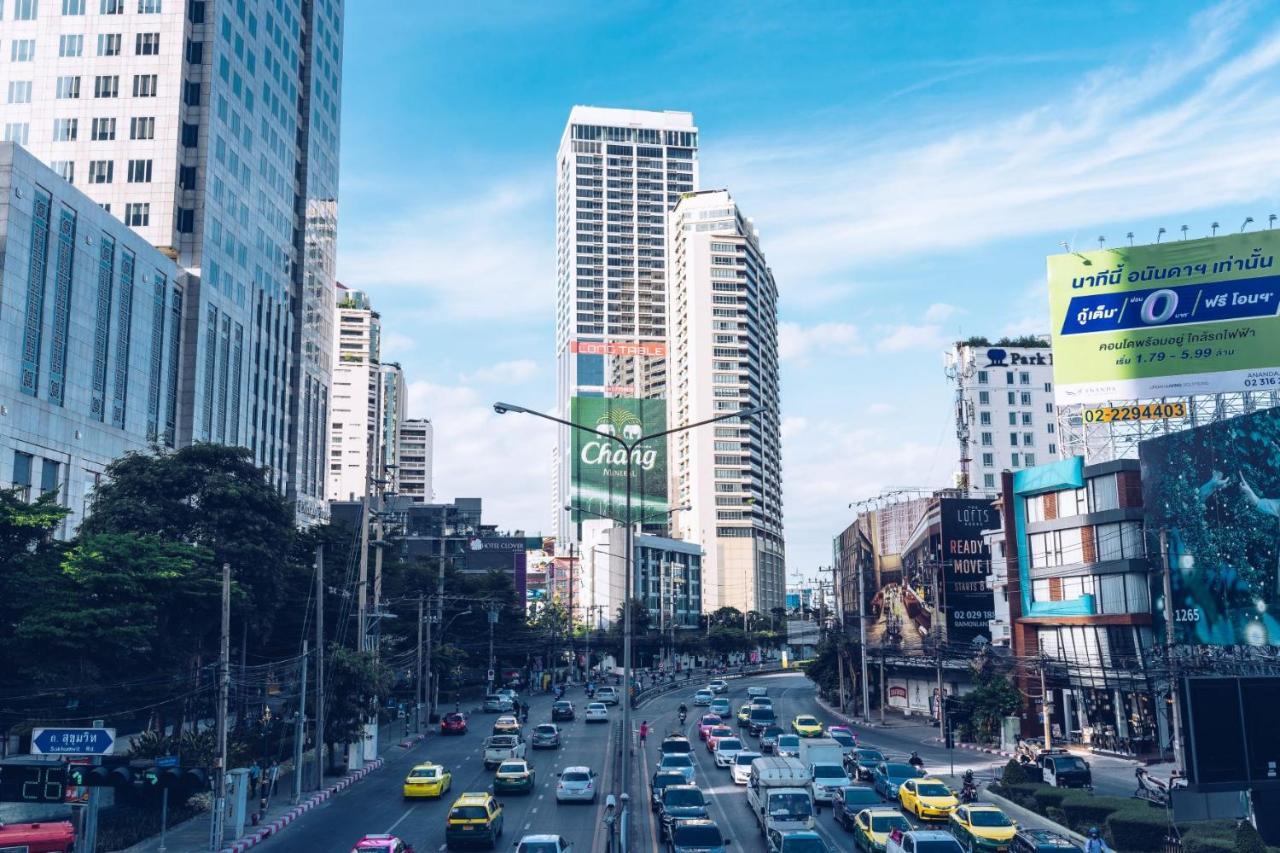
(90, 337)
(210, 128)
(355, 439)
(417, 437)
(668, 577)
(1004, 409)
(391, 405)
(723, 357)
(618, 172)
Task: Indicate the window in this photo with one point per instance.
(987, 440)
(64, 129)
(190, 135)
(73, 7)
(1056, 548)
(1013, 460)
(984, 398)
(22, 473)
(1104, 493)
(70, 45)
(19, 92)
(1013, 439)
(1013, 419)
(1028, 439)
(1053, 449)
(1048, 386)
(17, 131)
(148, 7)
(142, 128)
(137, 214)
(66, 169)
(988, 481)
(25, 10)
(147, 44)
(48, 476)
(1121, 541)
(1024, 378)
(104, 129)
(139, 171)
(983, 377)
(984, 418)
(988, 460)
(1034, 507)
(22, 50)
(1049, 428)
(109, 44)
(1029, 459)
(187, 177)
(191, 93)
(100, 171)
(1008, 378)
(145, 85)
(1048, 408)
(1013, 398)
(195, 52)
(1026, 398)
(186, 220)
(1026, 419)
(106, 86)
(112, 7)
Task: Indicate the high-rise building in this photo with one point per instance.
(618, 172)
(210, 127)
(355, 439)
(416, 438)
(391, 404)
(724, 357)
(1005, 415)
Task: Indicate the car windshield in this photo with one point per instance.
(468, 813)
(804, 845)
(889, 823)
(699, 835)
(985, 817)
(574, 776)
(662, 780)
(683, 797)
(711, 720)
(933, 790)
(763, 715)
(424, 773)
(511, 767)
(493, 697)
(854, 796)
(677, 760)
(899, 771)
(869, 756)
(1072, 763)
(806, 721)
(728, 744)
(796, 806)
(507, 741)
(842, 739)
(677, 745)
(743, 758)
(788, 740)
(771, 732)
(827, 771)
(562, 706)
(538, 847)
(939, 846)
(545, 729)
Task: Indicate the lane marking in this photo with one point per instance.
(407, 812)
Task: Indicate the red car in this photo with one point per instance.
(715, 733)
(381, 844)
(53, 837)
(707, 723)
(453, 724)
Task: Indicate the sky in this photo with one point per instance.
(908, 166)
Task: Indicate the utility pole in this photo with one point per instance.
(224, 693)
(883, 694)
(319, 667)
(573, 659)
(439, 620)
(493, 620)
(417, 690)
(300, 731)
(1044, 703)
(862, 640)
(1166, 572)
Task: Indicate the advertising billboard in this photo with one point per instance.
(966, 562)
(505, 554)
(1215, 490)
(599, 481)
(1167, 320)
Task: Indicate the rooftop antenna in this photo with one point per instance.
(1130, 236)
(1184, 231)
(1160, 234)
(1214, 228)
(1271, 221)
(1248, 220)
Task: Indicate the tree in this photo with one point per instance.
(356, 685)
(729, 617)
(725, 640)
(29, 557)
(640, 619)
(983, 708)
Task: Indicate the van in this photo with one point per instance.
(778, 795)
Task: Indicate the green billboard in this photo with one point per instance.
(1166, 320)
(600, 463)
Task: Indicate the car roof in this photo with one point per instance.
(472, 798)
(577, 768)
(931, 835)
(983, 807)
(924, 779)
(881, 811)
(542, 837)
(426, 765)
(669, 774)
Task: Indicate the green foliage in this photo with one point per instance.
(1137, 827)
(725, 640)
(1248, 840)
(1084, 810)
(1015, 774)
(728, 617)
(358, 684)
(1046, 798)
(984, 708)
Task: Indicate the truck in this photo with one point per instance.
(778, 795)
(500, 748)
(821, 750)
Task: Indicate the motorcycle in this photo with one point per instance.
(1153, 789)
(684, 715)
(968, 788)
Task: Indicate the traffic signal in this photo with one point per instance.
(175, 778)
(102, 776)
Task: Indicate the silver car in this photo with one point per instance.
(576, 785)
(681, 761)
(496, 703)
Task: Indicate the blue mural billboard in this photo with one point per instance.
(1215, 490)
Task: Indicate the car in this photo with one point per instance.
(726, 749)
(576, 785)
(427, 780)
(757, 692)
(862, 761)
(850, 800)
(703, 697)
(761, 717)
(707, 723)
(760, 702)
(562, 709)
(607, 695)
(453, 723)
(978, 826)
(506, 725)
(787, 746)
(514, 776)
(545, 736)
(678, 803)
(696, 835)
(499, 748)
(718, 685)
(596, 713)
(495, 703)
(475, 818)
(806, 725)
(888, 775)
(832, 731)
(681, 761)
(847, 742)
(543, 844)
(744, 714)
(927, 798)
(721, 707)
(795, 841)
(510, 694)
(368, 844)
(871, 827)
(769, 738)
(661, 779)
(714, 734)
(1041, 841)
(825, 780)
(675, 743)
(1065, 771)
(922, 841)
(740, 769)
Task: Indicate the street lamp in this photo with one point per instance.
(630, 447)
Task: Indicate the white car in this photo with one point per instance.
(740, 770)
(719, 685)
(761, 702)
(606, 694)
(543, 844)
(827, 779)
(726, 749)
(576, 785)
(597, 713)
(753, 692)
(703, 697)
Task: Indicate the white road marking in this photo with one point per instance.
(407, 812)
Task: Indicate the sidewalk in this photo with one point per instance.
(893, 718)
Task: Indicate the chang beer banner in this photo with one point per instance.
(1167, 320)
(600, 464)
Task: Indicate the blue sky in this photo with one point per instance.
(909, 167)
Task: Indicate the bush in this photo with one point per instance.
(1049, 798)
(1214, 836)
(1083, 810)
(1023, 795)
(1248, 840)
(1014, 774)
(1137, 828)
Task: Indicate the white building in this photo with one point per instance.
(210, 128)
(618, 172)
(417, 437)
(358, 424)
(724, 357)
(1004, 411)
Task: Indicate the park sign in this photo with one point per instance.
(600, 462)
(1166, 320)
(73, 741)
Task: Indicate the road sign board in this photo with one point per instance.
(73, 741)
(489, 676)
(167, 761)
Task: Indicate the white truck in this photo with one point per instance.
(500, 748)
(778, 794)
(820, 750)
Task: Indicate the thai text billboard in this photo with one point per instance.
(1166, 320)
(599, 484)
(966, 562)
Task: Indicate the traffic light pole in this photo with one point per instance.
(224, 689)
(90, 838)
(164, 816)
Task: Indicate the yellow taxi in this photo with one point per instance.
(506, 725)
(927, 799)
(872, 827)
(806, 726)
(744, 714)
(475, 818)
(982, 827)
(427, 780)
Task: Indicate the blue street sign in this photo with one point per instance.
(73, 741)
(167, 761)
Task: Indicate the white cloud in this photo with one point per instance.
(793, 425)
(797, 342)
(908, 337)
(395, 345)
(519, 370)
(940, 312)
(882, 408)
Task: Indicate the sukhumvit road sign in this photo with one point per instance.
(73, 741)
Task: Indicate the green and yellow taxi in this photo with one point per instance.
(514, 776)
(982, 827)
(927, 799)
(427, 780)
(872, 827)
(744, 714)
(474, 819)
(806, 725)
